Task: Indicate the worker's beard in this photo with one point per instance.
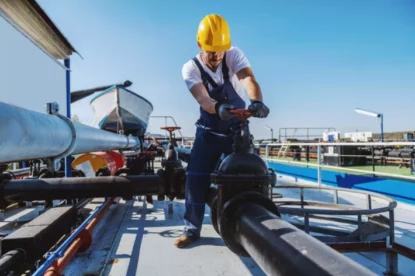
(213, 62)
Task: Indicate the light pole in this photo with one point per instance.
(272, 133)
(375, 115)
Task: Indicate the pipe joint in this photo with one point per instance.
(72, 145)
(53, 109)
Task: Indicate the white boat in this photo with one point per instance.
(118, 108)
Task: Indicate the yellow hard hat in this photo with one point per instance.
(213, 34)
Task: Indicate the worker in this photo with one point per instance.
(216, 77)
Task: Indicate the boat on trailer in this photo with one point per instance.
(118, 109)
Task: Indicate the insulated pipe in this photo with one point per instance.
(280, 248)
(80, 187)
(27, 134)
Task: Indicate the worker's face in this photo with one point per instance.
(212, 59)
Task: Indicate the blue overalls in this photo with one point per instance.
(213, 138)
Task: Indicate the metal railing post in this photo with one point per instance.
(319, 164)
(266, 153)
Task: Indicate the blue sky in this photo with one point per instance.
(316, 61)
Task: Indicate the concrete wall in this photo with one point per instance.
(28, 77)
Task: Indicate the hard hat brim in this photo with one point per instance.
(221, 48)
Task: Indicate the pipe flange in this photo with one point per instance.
(227, 225)
(71, 147)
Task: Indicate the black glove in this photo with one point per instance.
(259, 109)
(223, 110)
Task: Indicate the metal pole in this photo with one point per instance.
(80, 187)
(266, 153)
(280, 248)
(319, 165)
(67, 62)
(27, 134)
(381, 127)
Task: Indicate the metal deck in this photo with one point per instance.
(136, 238)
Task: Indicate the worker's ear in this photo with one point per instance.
(200, 46)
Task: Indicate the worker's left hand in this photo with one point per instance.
(258, 109)
(223, 110)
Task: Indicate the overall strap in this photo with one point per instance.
(225, 69)
(205, 76)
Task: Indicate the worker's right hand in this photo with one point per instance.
(223, 110)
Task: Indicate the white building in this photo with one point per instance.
(359, 136)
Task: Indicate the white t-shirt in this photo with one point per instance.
(235, 60)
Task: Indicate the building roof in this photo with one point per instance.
(30, 19)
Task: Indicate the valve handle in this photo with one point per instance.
(170, 129)
(242, 114)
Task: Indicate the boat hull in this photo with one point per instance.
(118, 108)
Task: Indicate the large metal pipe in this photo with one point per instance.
(280, 248)
(27, 134)
(80, 187)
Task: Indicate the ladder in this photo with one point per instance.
(283, 149)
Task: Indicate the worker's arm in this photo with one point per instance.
(201, 95)
(193, 80)
(242, 67)
(247, 78)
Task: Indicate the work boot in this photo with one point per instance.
(183, 241)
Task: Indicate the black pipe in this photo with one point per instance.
(212, 201)
(280, 248)
(80, 187)
(12, 261)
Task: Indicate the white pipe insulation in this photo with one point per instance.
(27, 134)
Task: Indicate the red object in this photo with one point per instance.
(148, 153)
(110, 159)
(242, 114)
(118, 158)
(172, 128)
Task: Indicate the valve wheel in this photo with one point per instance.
(242, 114)
(172, 128)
